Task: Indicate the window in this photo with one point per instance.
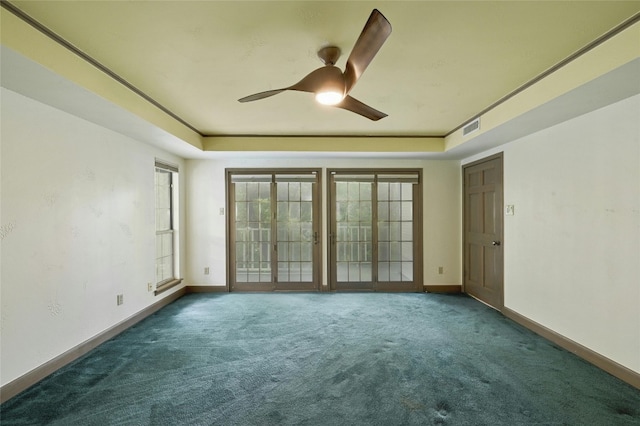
(166, 191)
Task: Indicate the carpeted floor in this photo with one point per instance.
(327, 359)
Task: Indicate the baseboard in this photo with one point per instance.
(443, 288)
(600, 361)
(207, 289)
(29, 379)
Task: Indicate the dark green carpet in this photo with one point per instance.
(327, 359)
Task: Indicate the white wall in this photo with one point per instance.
(77, 229)
(572, 249)
(206, 227)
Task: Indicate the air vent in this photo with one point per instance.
(471, 127)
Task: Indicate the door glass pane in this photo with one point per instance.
(306, 211)
(295, 215)
(306, 191)
(253, 231)
(374, 210)
(394, 211)
(342, 271)
(306, 252)
(306, 231)
(274, 228)
(306, 271)
(365, 271)
(283, 271)
(383, 271)
(394, 191)
(383, 251)
(294, 230)
(395, 231)
(283, 192)
(294, 191)
(365, 192)
(294, 252)
(395, 251)
(395, 271)
(383, 211)
(294, 211)
(407, 271)
(354, 271)
(407, 251)
(241, 272)
(294, 271)
(354, 241)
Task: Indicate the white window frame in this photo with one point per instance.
(173, 279)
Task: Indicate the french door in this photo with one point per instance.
(375, 225)
(274, 229)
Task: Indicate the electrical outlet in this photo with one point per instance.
(440, 270)
(149, 287)
(221, 211)
(509, 210)
(206, 270)
(120, 299)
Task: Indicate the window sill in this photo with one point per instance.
(166, 286)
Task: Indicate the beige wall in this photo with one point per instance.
(206, 227)
(572, 248)
(77, 229)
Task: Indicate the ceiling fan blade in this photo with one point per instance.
(372, 37)
(311, 83)
(318, 78)
(261, 95)
(354, 105)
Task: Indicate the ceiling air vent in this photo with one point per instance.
(471, 127)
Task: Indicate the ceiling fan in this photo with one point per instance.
(332, 86)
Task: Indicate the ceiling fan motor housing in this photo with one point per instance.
(333, 80)
(329, 55)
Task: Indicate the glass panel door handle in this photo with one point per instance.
(495, 243)
(315, 237)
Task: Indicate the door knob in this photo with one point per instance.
(495, 243)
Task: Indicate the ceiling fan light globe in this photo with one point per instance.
(329, 98)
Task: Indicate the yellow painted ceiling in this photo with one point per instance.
(444, 62)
